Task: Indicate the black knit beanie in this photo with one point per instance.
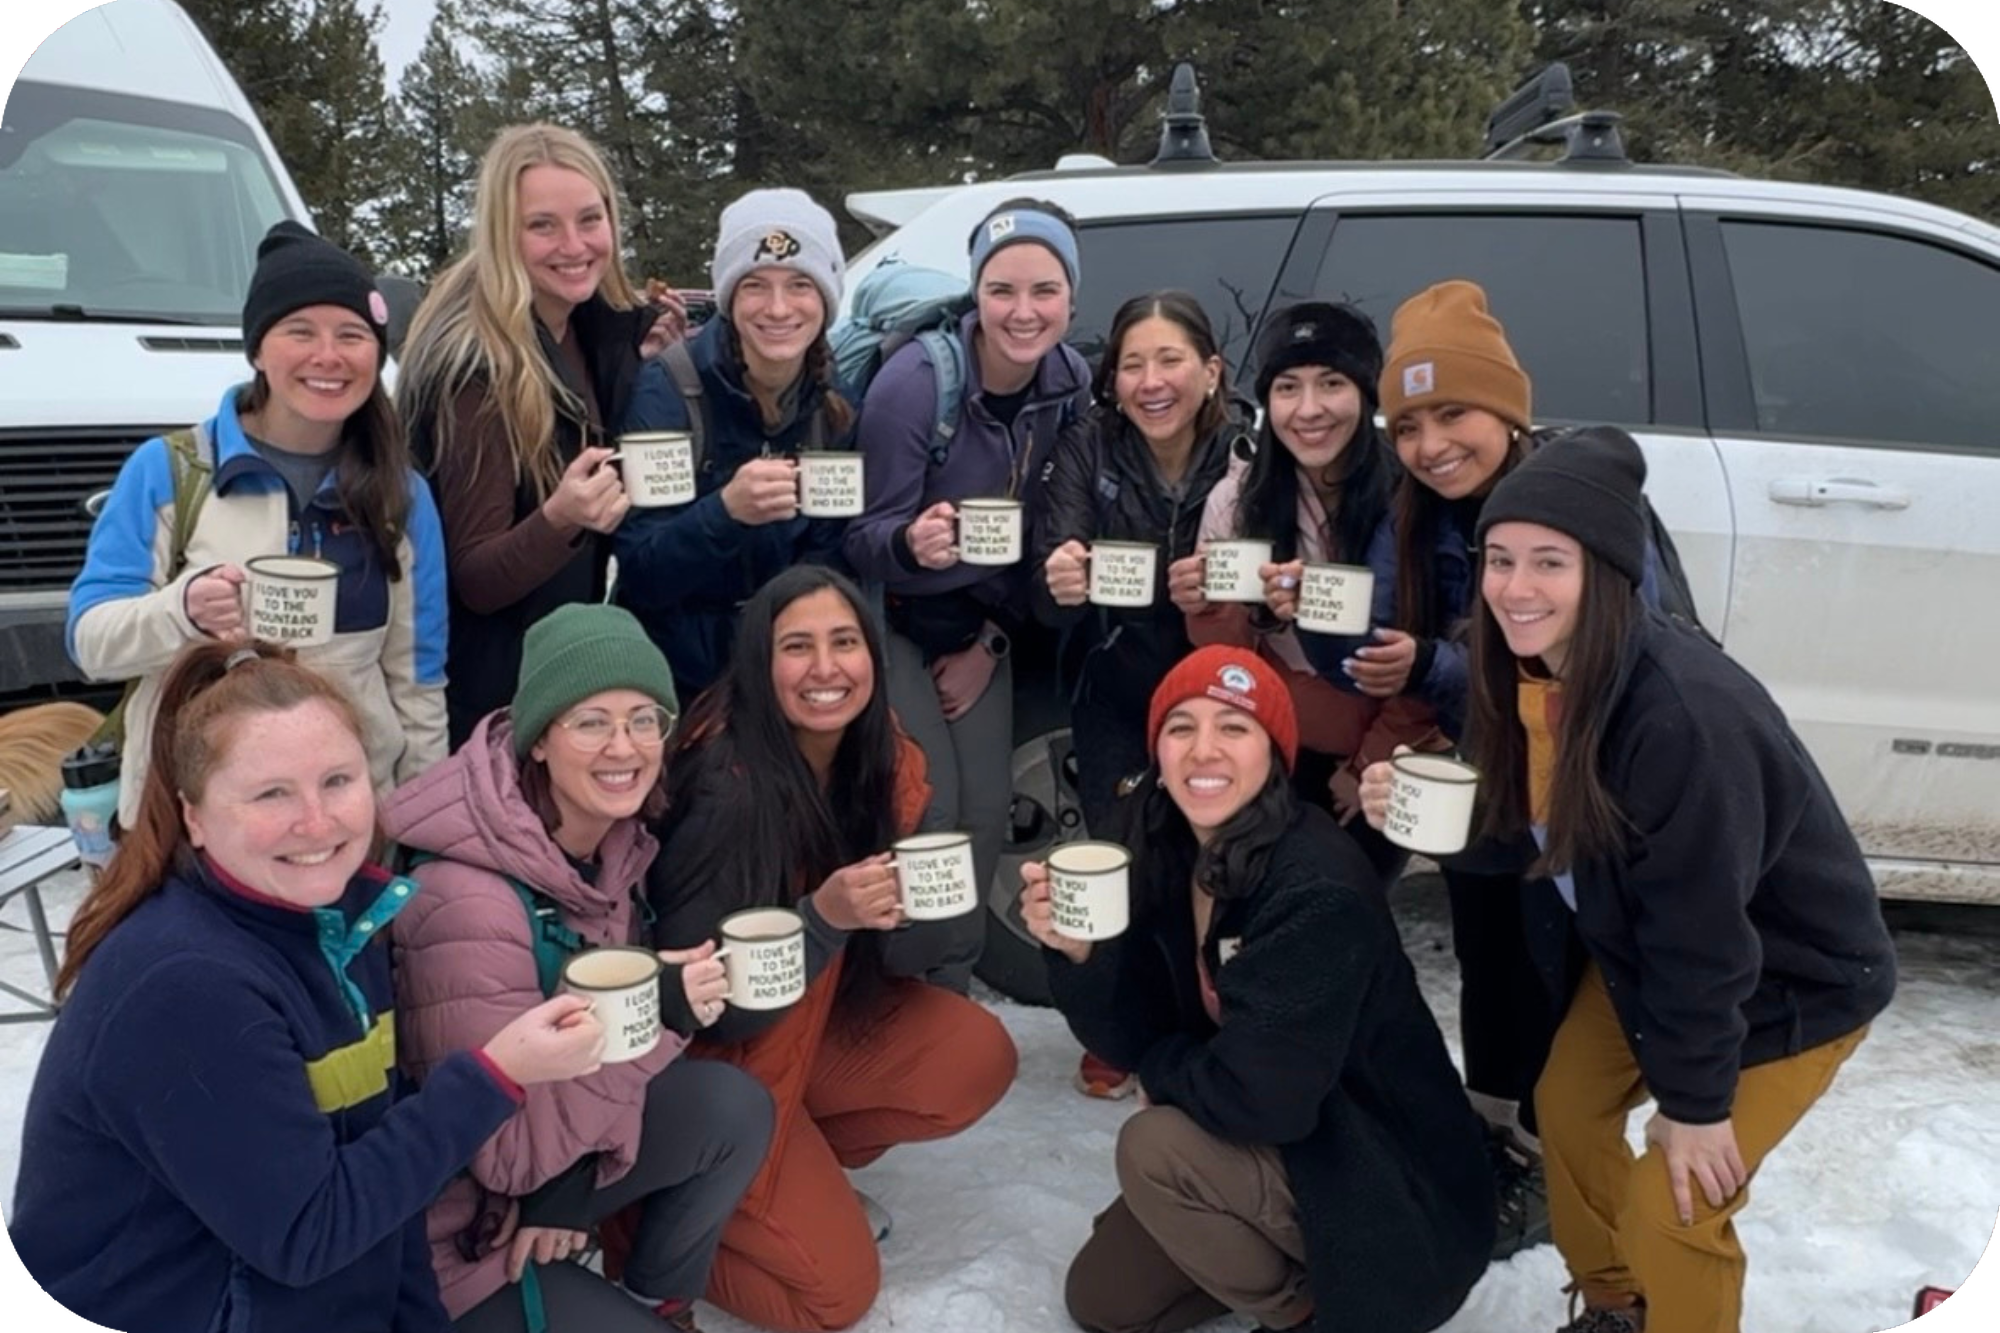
(296, 269)
(1588, 483)
(1314, 333)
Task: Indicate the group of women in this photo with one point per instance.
(247, 1118)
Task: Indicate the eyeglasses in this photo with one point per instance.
(591, 729)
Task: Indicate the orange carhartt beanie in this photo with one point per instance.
(1445, 347)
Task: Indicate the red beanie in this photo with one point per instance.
(1234, 676)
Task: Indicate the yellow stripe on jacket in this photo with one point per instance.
(352, 1074)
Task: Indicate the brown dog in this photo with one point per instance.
(33, 741)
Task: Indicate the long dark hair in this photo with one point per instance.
(1267, 504)
(1170, 857)
(1584, 821)
(1184, 312)
(785, 835)
(200, 700)
(373, 479)
(818, 369)
(1419, 513)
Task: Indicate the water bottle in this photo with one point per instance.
(90, 799)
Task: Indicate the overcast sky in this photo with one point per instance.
(402, 35)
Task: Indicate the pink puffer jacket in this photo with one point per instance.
(465, 966)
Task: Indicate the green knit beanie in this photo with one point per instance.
(576, 651)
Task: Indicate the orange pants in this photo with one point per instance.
(924, 1063)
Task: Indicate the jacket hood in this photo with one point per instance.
(469, 808)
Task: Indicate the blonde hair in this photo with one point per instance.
(477, 322)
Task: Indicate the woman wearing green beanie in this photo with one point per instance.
(543, 812)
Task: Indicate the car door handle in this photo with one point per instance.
(1817, 492)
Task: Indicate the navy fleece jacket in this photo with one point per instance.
(216, 1138)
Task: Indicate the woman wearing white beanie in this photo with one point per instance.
(756, 388)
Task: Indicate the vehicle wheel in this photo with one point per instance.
(1045, 811)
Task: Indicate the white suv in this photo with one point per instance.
(1814, 374)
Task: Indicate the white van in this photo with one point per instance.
(135, 183)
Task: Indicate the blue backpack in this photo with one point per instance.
(896, 303)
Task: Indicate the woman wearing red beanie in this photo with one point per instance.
(1306, 1155)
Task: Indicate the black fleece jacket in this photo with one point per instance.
(1326, 1051)
(1101, 484)
(1742, 926)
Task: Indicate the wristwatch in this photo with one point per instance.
(995, 643)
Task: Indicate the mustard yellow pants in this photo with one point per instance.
(1613, 1215)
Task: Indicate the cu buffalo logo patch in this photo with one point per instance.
(777, 246)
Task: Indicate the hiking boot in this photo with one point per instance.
(1523, 1219)
(879, 1221)
(1612, 1312)
(1094, 1078)
(1603, 1319)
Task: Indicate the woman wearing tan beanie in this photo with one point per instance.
(1457, 405)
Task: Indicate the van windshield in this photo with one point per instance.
(128, 208)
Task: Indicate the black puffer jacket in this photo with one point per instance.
(1326, 1051)
(1101, 484)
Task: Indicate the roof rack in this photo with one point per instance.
(1183, 129)
(1534, 115)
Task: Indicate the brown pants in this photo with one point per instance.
(927, 1064)
(1201, 1227)
(1613, 1215)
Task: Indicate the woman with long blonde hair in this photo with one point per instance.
(523, 351)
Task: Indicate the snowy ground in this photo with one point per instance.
(1890, 1183)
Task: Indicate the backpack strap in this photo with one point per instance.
(680, 365)
(553, 942)
(190, 454)
(947, 356)
(190, 461)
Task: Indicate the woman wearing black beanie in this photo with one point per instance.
(1734, 946)
(307, 458)
(1317, 486)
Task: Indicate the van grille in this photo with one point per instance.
(45, 476)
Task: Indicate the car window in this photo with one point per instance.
(1569, 290)
(124, 206)
(1228, 264)
(1866, 335)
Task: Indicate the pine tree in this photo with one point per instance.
(438, 138)
(263, 44)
